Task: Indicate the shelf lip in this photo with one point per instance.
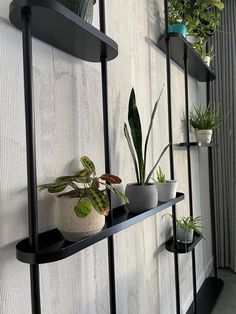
(56, 248)
(207, 295)
(196, 144)
(197, 68)
(181, 247)
(64, 30)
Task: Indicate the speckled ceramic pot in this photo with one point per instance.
(71, 226)
(141, 197)
(203, 136)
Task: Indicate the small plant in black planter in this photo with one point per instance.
(142, 194)
(82, 210)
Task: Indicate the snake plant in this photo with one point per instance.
(90, 189)
(136, 144)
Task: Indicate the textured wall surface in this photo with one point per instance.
(67, 95)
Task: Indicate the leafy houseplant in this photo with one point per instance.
(83, 209)
(203, 121)
(185, 228)
(166, 188)
(142, 194)
(83, 8)
(176, 16)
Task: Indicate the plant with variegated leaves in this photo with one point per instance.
(87, 187)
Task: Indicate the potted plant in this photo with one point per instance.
(82, 210)
(142, 194)
(203, 121)
(185, 228)
(166, 188)
(176, 14)
(83, 8)
(207, 56)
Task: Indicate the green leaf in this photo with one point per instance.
(136, 132)
(150, 128)
(83, 208)
(118, 193)
(54, 187)
(127, 136)
(88, 164)
(99, 201)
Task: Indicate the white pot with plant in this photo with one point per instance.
(185, 228)
(142, 194)
(82, 210)
(203, 121)
(166, 188)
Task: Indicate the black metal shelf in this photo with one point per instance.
(179, 47)
(181, 247)
(207, 295)
(196, 144)
(53, 247)
(60, 27)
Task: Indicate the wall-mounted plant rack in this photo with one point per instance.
(53, 247)
(179, 47)
(181, 52)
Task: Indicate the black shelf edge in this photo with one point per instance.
(196, 144)
(181, 247)
(207, 295)
(197, 68)
(60, 27)
(53, 247)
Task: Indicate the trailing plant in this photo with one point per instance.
(160, 177)
(206, 118)
(187, 223)
(85, 183)
(136, 145)
(177, 10)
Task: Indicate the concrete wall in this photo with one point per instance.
(67, 94)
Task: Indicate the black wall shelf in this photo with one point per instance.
(179, 47)
(207, 295)
(182, 248)
(196, 144)
(56, 25)
(53, 247)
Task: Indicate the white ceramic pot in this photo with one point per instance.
(141, 197)
(207, 60)
(191, 39)
(71, 226)
(203, 136)
(166, 191)
(184, 235)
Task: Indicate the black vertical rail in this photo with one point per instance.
(190, 176)
(176, 264)
(31, 156)
(111, 258)
(212, 203)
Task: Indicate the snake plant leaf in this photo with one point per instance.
(150, 127)
(157, 162)
(111, 178)
(83, 208)
(99, 201)
(136, 132)
(127, 136)
(88, 164)
(118, 193)
(54, 187)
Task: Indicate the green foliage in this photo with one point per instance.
(90, 189)
(177, 10)
(136, 145)
(187, 223)
(205, 119)
(160, 176)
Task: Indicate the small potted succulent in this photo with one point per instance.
(82, 210)
(83, 8)
(166, 188)
(203, 121)
(176, 16)
(142, 194)
(185, 228)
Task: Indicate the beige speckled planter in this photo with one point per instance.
(203, 136)
(71, 226)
